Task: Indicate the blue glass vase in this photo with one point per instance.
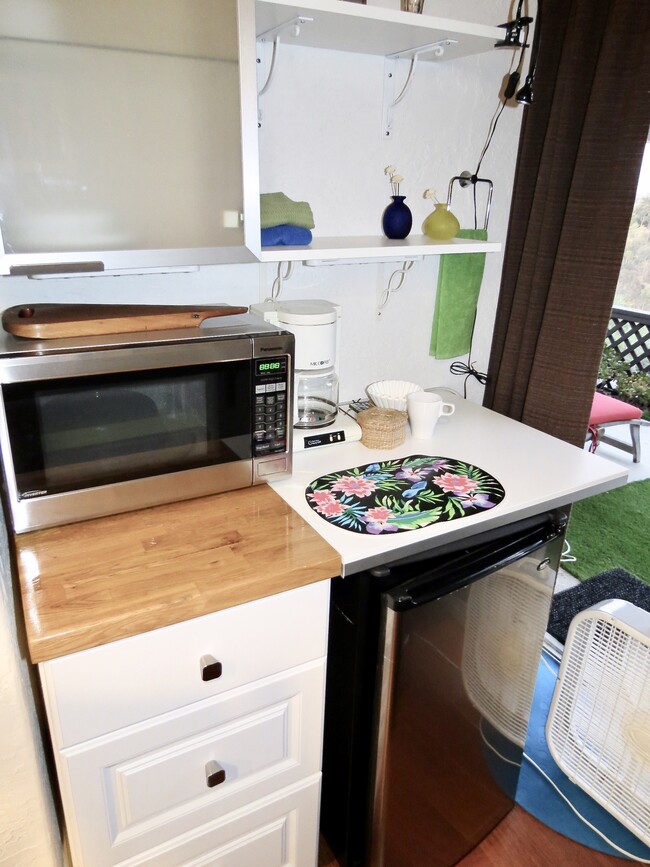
(397, 219)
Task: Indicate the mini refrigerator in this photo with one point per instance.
(431, 673)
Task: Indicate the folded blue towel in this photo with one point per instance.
(286, 236)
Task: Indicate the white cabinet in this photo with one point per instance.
(334, 26)
(158, 766)
(121, 144)
(131, 128)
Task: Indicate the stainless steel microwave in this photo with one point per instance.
(94, 426)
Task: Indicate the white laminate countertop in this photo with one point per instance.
(538, 472)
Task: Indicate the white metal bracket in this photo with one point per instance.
(270, 40)
(283, 273)
(411, 55)
(395, 283)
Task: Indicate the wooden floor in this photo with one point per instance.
(519, 841)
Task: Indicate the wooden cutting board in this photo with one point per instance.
(49, 321)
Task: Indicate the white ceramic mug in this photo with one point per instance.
(424, 409)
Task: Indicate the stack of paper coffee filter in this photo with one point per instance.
(384, 425)
(391, 393)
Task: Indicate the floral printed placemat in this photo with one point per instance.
(403, 494)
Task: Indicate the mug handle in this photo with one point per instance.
(447, 409)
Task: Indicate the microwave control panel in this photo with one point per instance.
(270, 413)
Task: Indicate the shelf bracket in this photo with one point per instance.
(283, 273)
(272, 38)
(395, 283)
(390, 100)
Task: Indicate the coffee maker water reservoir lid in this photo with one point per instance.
(314, 324)
(308, 312)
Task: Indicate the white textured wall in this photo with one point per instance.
(29, 836)
(439, 131)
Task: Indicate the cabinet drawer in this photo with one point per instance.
(97, 691)
(131, 791)
(280, 832)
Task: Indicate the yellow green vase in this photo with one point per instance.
(441, 225)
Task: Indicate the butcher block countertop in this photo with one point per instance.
(97, 581)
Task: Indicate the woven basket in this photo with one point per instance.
(382, 428)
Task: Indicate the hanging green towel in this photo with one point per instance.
(276, 209)
(459, 283)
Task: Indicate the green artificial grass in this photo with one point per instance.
(611, 530)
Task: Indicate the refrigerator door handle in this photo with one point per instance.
(434, 583)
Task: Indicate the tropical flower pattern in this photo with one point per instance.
(403, 494)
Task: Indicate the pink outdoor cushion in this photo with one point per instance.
(606, 408)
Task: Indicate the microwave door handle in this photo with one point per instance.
(470, 567)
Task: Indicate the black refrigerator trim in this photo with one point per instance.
(472, 565)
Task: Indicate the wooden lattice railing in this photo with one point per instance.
(628, 334)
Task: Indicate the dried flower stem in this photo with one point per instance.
(394, 179)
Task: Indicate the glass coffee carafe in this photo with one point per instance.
(316, 397)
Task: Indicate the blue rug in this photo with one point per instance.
(538, 797)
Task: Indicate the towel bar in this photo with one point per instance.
(464, 180)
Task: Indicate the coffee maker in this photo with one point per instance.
(315, 325)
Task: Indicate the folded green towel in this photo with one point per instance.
(459, 282)
(276, 209)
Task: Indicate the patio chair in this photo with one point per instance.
(608, 412)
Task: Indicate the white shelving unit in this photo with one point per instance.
(374, 247)
(347, 26)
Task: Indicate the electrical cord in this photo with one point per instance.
(581, 817)
(509, 91)
(491, 130)
(513, 80)
(567, 556)
(461, 368)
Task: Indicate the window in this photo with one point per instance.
(633, 288)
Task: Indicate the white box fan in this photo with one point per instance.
(598, 727)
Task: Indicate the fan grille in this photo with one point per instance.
(598, 730)
(506, 618)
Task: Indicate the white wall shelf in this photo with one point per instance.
(337, 25)
(347, 26)
(374, 247)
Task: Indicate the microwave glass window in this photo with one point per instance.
(98, 430)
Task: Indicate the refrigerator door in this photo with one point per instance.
(456, 685)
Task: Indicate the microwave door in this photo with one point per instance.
(120, 434)
(109, 429)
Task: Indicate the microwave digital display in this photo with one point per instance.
(273, 365)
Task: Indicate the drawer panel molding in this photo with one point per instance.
(146, 784)
(278, 832)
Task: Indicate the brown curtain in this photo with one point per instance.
(577, 170)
